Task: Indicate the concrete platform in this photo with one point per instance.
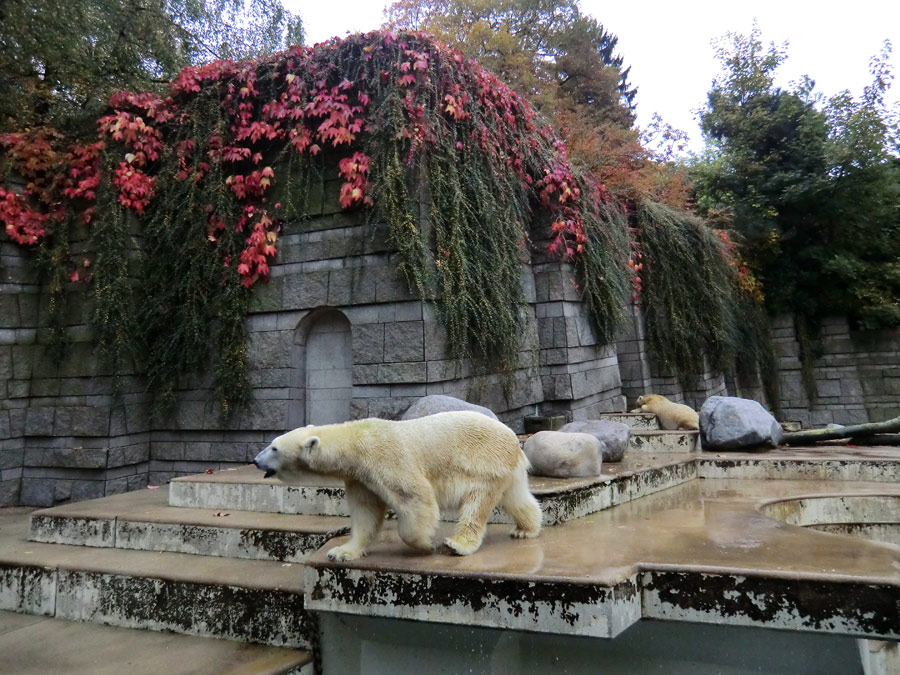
(560, 499)
(243, 600)
(699, 552)
(658, 441)
(36, 645)
(143, 520)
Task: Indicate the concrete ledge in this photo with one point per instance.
(659, 440)
(584, 609)
(243, 600)
(819, 605)
(143, 521)
(560, 499)
(699, 552)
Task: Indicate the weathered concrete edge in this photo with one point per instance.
(856, 608)
(591, 610)
(28, 589)
(860, 608)
(226, 542)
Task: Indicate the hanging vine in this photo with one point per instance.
(180, 196)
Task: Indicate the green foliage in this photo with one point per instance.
(59, 66)
(603, 283)
(812, 191)
(441, 150)
(689, 294)
(547, 49)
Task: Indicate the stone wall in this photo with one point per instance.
(337, 334)
(856, 380)
(641, 376)
(64, 436)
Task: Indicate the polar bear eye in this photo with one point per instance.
(274, 449)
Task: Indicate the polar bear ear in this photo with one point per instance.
(311, 443)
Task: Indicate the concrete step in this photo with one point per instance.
(257, 601)
(143, 520)
(637, 421)
(660, 441)
(36, 645)
(560, 499)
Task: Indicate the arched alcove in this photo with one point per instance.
(323, 369)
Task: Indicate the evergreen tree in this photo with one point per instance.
(59, 67)
(811, 190)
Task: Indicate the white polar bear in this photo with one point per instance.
(453, 460)
(671, 415)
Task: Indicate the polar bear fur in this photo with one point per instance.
(452, 460)
(670, 415)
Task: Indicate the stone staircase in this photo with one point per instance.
(221, 554)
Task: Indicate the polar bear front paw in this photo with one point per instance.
(518, 533)
(460, 548)
(344, 553)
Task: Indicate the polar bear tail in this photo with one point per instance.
(520, 504)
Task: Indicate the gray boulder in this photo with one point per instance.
(563, 455)
(613, 436)
(730, 423)
(437, 403)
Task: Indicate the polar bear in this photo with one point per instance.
(671, 415)
(451, 460)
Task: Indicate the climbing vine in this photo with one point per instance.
(179, 195)
(700, 300)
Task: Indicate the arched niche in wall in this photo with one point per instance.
(322, 382)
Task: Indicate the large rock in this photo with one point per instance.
(613, 436)
(437, 403)
(730, 423)
(564, 455)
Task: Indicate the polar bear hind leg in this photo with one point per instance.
(521, 506)
(417, 519)
(366, 516)
(474, 510)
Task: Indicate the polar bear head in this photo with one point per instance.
(292, 454)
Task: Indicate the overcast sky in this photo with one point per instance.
(668, 43)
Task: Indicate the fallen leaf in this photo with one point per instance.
(210, 471)
(153, 487)
(219, 513)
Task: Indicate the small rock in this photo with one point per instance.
(564, 454)
(613, 436)
(731, 423)
(438, 403)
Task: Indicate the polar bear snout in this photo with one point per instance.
(264, 461)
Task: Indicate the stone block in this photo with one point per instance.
(267, 296)
(391, 286)
(557, 387)
(22, 361)
(87, 489)
(440, 371)
(37, 492)
(435, 338)
(404, 342)
(399, 373)
(271, 349)
(90, 420)
(366, 374)
(9, 310)
(6, 369)
(9, 492)
(305, 290)
(127, 455)
(825, 388)
(39, 421)
(368, 343)
(352, 285)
